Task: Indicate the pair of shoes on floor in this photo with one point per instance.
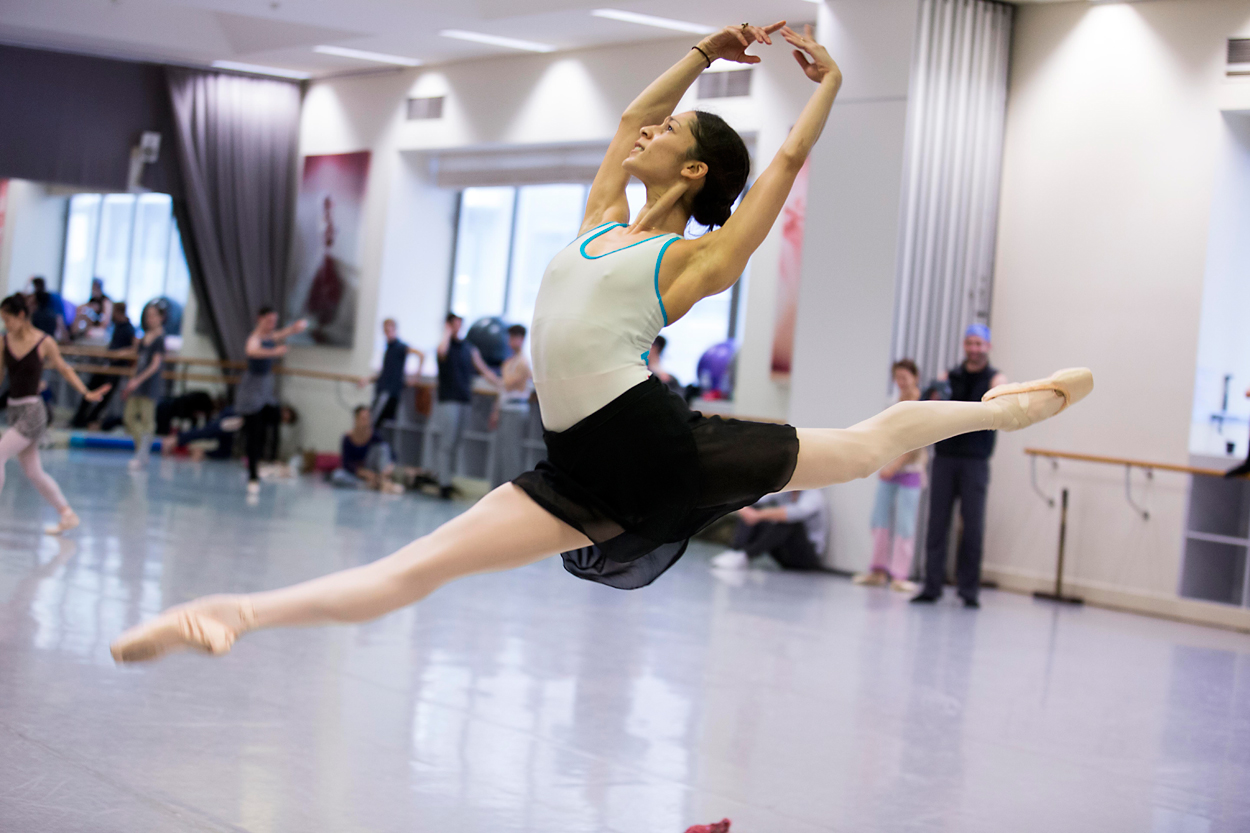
(721, 826)
(876, 578)
(902, 585)
(731, 560)
(924, 598)
(972, 604)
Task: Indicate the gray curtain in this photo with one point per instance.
(951, 178)
(237, 141)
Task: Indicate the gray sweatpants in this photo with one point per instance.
(448, 425)
(509, 451)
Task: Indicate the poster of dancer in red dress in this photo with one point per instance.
(327, 234)
(793, 218)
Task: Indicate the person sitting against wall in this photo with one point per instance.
(792, 527)
(367, 461)
(215, 439)
(897, 503)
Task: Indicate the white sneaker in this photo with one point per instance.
(730, 560)
(137, 465)
(253, 487)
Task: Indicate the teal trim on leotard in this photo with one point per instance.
(646, 357)
(659, 260)
(614, 251)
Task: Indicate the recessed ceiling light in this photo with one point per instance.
(257, 69)
(658, 22)
(362, 55)
(495, 40)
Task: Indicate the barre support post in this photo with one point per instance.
(1058, 596)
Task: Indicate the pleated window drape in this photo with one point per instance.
(951, 178)
(237, 141)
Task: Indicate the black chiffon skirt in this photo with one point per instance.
(644, 473)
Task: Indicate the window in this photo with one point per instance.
(506, 236)
(130, 242)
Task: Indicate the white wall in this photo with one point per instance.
(529, 99)
(1224, 341)
(842, 345)
(34, 235)
(1113, 132)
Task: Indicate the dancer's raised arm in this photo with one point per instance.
(714, 261)
(606, 201)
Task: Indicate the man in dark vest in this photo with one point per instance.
(457, 362)
(961, 468)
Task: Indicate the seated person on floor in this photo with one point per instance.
(367, 459)
(195, 407)
(215, 439)
(792, 527)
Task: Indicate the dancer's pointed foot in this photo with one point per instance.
(211, 624)
(721, 826)
(1022, 404)
(68, 521)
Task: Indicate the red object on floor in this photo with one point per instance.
(721, 826)
(327, 462)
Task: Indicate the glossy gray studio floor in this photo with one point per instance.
(532, 701)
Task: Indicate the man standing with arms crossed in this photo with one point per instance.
(961, 468)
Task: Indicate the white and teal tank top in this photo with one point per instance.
(594, 321)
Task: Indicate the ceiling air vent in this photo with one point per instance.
(728, 84)
(425, 108)
(1239, 56)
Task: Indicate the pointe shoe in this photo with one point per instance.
(873, 579)
(1028, 402)
(900, 585)
(69, 520)
(211, 624)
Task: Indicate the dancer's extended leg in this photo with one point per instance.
(837, 455)
(14, 444)
(503, 530)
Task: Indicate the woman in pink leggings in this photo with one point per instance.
(898, 500)
(26, 350)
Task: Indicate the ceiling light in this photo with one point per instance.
(362, 55)
(495, 40)
(658, 22)
(257, 69)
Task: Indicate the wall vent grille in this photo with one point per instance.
(729, 84)
(425, 108)
(1239, 50)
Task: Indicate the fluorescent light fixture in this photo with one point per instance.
(362, 55)
(658, 22)
(495, 40)
(257, 69)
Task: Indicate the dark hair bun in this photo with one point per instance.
(719, 146)
(15, 304)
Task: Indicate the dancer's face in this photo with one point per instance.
(268, 322)
(661, 154)
(13, 323)
(151, 318)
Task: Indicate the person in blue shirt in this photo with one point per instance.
(388, 383)
(367, 461)
(123, 338)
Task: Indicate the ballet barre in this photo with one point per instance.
(1148, 466)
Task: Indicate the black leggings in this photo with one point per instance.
(261, 432)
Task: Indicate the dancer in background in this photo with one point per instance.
(511, 415)
(388, 383)
(898, 502)
(257, 397)
(143, 389)
(631, 473)
(27, 417)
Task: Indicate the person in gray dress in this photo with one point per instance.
(257, 397)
